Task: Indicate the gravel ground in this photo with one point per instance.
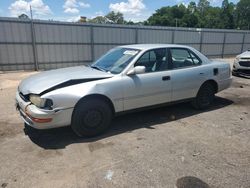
(174, 146)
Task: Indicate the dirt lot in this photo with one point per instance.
(173, 146)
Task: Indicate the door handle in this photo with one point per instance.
(201, 73)
(164, 78)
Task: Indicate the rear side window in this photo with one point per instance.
(182, 57)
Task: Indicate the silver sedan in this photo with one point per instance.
(126, 78)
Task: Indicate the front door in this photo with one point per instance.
(152, 87)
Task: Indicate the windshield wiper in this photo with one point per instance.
(97, 68)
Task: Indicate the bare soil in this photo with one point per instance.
(174, 146)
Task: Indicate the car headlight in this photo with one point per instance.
(40, 102)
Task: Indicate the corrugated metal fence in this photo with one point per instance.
(27, 45)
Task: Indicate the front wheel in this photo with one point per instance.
(204, 97)
(91, 117)
(234, 73)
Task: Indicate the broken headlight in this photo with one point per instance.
(40, 102)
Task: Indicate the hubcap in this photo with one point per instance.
(92, 118)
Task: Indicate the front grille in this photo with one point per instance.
(246, 58)
(244, 71)
(24, 97)
(244, 63)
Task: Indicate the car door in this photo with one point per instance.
(187, 73)
(152, 87)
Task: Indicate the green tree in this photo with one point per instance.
(190, 20)
(201, 14)
(243, 14)
(212, 19)
(98, 19)
(115, 17)
(111, 17)
(192, 8)
(227, 15)
(24, 17)
(178, 14)
(203, 6)
(163, 16)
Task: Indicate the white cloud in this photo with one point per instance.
(99, 13)
(212, 2)
(23, 7)
(71, 10)
(130, 7)
(84, 5)
(183, 3)
(72, 6)
(73, 19)
(138, 17)
(134, 10)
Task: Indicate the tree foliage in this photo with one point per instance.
(112, 18)
(243, 14)
(203, 15)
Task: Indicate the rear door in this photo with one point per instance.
(187, 73)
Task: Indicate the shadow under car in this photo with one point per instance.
(59, 138)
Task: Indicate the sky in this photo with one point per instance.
(71, 10)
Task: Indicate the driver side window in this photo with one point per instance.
(154, 60)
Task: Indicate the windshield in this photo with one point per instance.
(116, 60)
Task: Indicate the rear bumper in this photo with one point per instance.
(224, 84)
(41, 118)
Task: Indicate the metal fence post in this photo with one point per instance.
(92, 43)
(223, 45)
(34, 50)
(173, 33)
(136, 35)
(243, 42)
(201, 40)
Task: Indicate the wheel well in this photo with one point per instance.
(213, 83)
(99, 96)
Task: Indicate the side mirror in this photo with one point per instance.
(137, 70)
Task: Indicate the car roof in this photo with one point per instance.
(150, 46)
(145, 47)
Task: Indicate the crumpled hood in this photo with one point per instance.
(46, 80)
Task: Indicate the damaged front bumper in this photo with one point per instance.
(241, 68)
(242, 72)
(42, 118)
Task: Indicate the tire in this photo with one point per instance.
(91, 117)
(205, 96)
(235, 74)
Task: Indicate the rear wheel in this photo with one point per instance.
(204, 97)
(91, 117)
